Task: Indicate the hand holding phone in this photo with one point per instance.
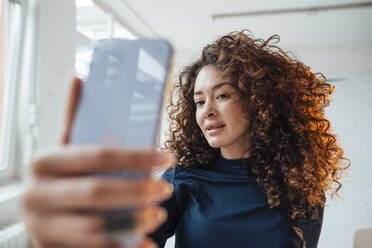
(120, 105)
(59, 197)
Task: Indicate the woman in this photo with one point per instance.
(255, 158)
(255, 152)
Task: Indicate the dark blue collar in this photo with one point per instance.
(234, 166)
(232, 163)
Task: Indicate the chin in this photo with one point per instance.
(215, 144)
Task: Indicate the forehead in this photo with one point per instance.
(208, 77)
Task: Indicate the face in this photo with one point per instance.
(219, 113)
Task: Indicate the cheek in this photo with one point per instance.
(231, 110)
(198, 119)
(236, 114)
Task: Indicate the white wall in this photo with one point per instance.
(55, 61)
(351, 115)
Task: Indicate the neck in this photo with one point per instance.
(238, 152)
(235, 155)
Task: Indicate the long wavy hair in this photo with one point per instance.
(294, 153)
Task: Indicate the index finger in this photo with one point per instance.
(75, 160)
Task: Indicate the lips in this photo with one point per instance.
(214, 126)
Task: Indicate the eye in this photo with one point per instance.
(222, 96)
(199, 103)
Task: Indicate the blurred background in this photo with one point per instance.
(44, 43)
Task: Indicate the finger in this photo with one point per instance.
(94, 193)
(75, 160)
(72, 104)
(150, 219)
(146, 243)
(146, 221)
(87, 230)
(77, 230)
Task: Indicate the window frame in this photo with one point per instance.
(112, 23)
(9, 163)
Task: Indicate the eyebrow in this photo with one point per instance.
(214, 87)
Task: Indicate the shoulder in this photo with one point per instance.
(185, 175)
(311, 227)
(170, 173)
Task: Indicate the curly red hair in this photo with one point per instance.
(294, 153)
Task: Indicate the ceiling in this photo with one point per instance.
(190, 25)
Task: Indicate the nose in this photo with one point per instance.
(209, 110)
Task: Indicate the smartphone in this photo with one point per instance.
(122, 97)
(120, 105)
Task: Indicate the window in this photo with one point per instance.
(11, 33)
(93, 22)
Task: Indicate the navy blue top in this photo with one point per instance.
(223, 206)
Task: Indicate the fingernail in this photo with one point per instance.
(153, 246)
(167, 189)
(149, 245)
(161, 215)
(161, 158)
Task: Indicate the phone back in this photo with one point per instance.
(122, 97)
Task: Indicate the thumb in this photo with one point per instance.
(72, 104)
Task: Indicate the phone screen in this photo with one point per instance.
(122, 97)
